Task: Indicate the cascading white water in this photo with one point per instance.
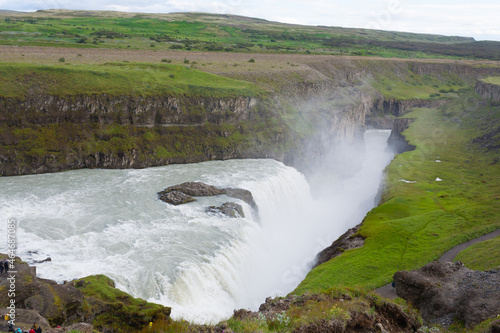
(203, 266)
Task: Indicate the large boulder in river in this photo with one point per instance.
(194, 189)
(445, 292)
(241, 194)
(183, 193)
(175, 197)
(230, 209)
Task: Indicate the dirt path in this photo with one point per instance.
(387, 290)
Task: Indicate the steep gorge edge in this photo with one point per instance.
(297, 124)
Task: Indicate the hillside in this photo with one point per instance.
(229, 33)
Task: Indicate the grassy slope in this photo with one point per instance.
(482, 256)
(196, 31)
(60, 142)
(493, 80)
(114, 309)
(117, 79)
(417, 222)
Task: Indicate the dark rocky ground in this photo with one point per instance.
(446, 292)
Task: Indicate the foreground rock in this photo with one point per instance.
(89, 302)
(335, 310)
(445, 292)
(113, 310)
(78, 327)
(59, 304)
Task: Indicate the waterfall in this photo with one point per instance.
(203, 266)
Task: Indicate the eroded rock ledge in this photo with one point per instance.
(445, 292)
(349, 240)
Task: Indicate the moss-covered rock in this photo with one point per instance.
(115, 310)
(59, 304)
(93, 299)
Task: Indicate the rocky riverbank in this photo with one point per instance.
(92, 300)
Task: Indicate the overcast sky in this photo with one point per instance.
(479, 19)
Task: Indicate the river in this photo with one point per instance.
(202, 265)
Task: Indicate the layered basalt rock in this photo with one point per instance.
(488, 90)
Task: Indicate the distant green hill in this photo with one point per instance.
(229, 33)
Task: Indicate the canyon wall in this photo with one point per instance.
(299, 123)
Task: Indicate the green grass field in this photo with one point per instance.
(482, 256)
(229, 33)
(493, 80)
(121, 79)
(441, 194)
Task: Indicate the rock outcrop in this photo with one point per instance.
(330, 102)
(59, 304)
(445, 292)
(78, 327)
(194, 189)
(488, 90)
(349, 240)
(91, 301)
(175, 197)
(363, 313)
(397, 142)
(113, 310)
(185, 192)
(398, 107)
(229, 209)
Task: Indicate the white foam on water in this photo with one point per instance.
(203, 266)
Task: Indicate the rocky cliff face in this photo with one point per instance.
(488, 90)
(397, 142)
(301, 124)
(398, 108)
(125, 110)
